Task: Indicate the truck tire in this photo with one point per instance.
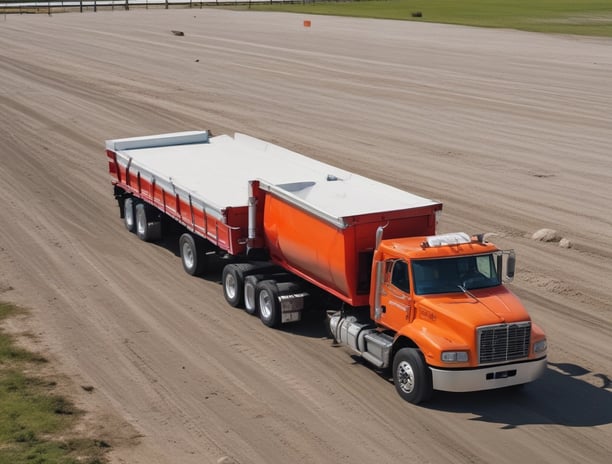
(411, 376)
(268, 303)
(129, 218)
(147, 229)
(233, 283)
(194, 260)
(250, 292)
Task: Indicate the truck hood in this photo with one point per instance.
(469, 310)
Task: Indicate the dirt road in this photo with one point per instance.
(510, 130)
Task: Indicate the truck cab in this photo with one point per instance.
(444, 318)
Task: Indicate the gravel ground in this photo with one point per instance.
(510, 130)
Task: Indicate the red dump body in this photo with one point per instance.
(338, 259)
(315, 220)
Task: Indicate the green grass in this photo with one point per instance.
(583, 17)
(32, 417)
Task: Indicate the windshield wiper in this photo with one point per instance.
(466, 291)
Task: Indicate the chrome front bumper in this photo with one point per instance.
(487, 378)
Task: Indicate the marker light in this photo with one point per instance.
(457, 238)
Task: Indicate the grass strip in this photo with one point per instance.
(584, 17)
(33, 420)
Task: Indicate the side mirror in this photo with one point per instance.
(510, 266)
(506, 264)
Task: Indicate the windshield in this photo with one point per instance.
(449, 275)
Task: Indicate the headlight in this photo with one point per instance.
(454, 356)
(540, 347)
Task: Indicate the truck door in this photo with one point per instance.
(395, 294)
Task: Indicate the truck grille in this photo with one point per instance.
(503, 342)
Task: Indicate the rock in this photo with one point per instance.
(179, 33)
(565, 243)
(545, 235)
(226, 460)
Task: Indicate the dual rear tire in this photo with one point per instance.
(129, 215)
(148, 223)
(250, 294)
(243, 290)
(268, 303)
(233, 279)
(142, 219)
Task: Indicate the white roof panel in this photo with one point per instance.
(217, 170)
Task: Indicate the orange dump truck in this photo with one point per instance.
(296, 232)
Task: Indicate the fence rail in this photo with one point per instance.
(24, 7)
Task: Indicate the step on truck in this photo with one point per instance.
(432, 308)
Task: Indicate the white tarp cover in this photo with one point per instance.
(217, 170)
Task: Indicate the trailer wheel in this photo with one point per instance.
(194, 260)
(411, 376)
(268, 303)
(250, 291)
(128, 214)
(233, 283)
(147, 229)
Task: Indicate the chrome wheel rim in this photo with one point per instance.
(249, 296)
(265, 304)
(188, 258)
(231, 286)
(140, 224)
(405, 377)
(129, 214)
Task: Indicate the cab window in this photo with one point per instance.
(399, 276)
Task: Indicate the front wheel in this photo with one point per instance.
(411, 376)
